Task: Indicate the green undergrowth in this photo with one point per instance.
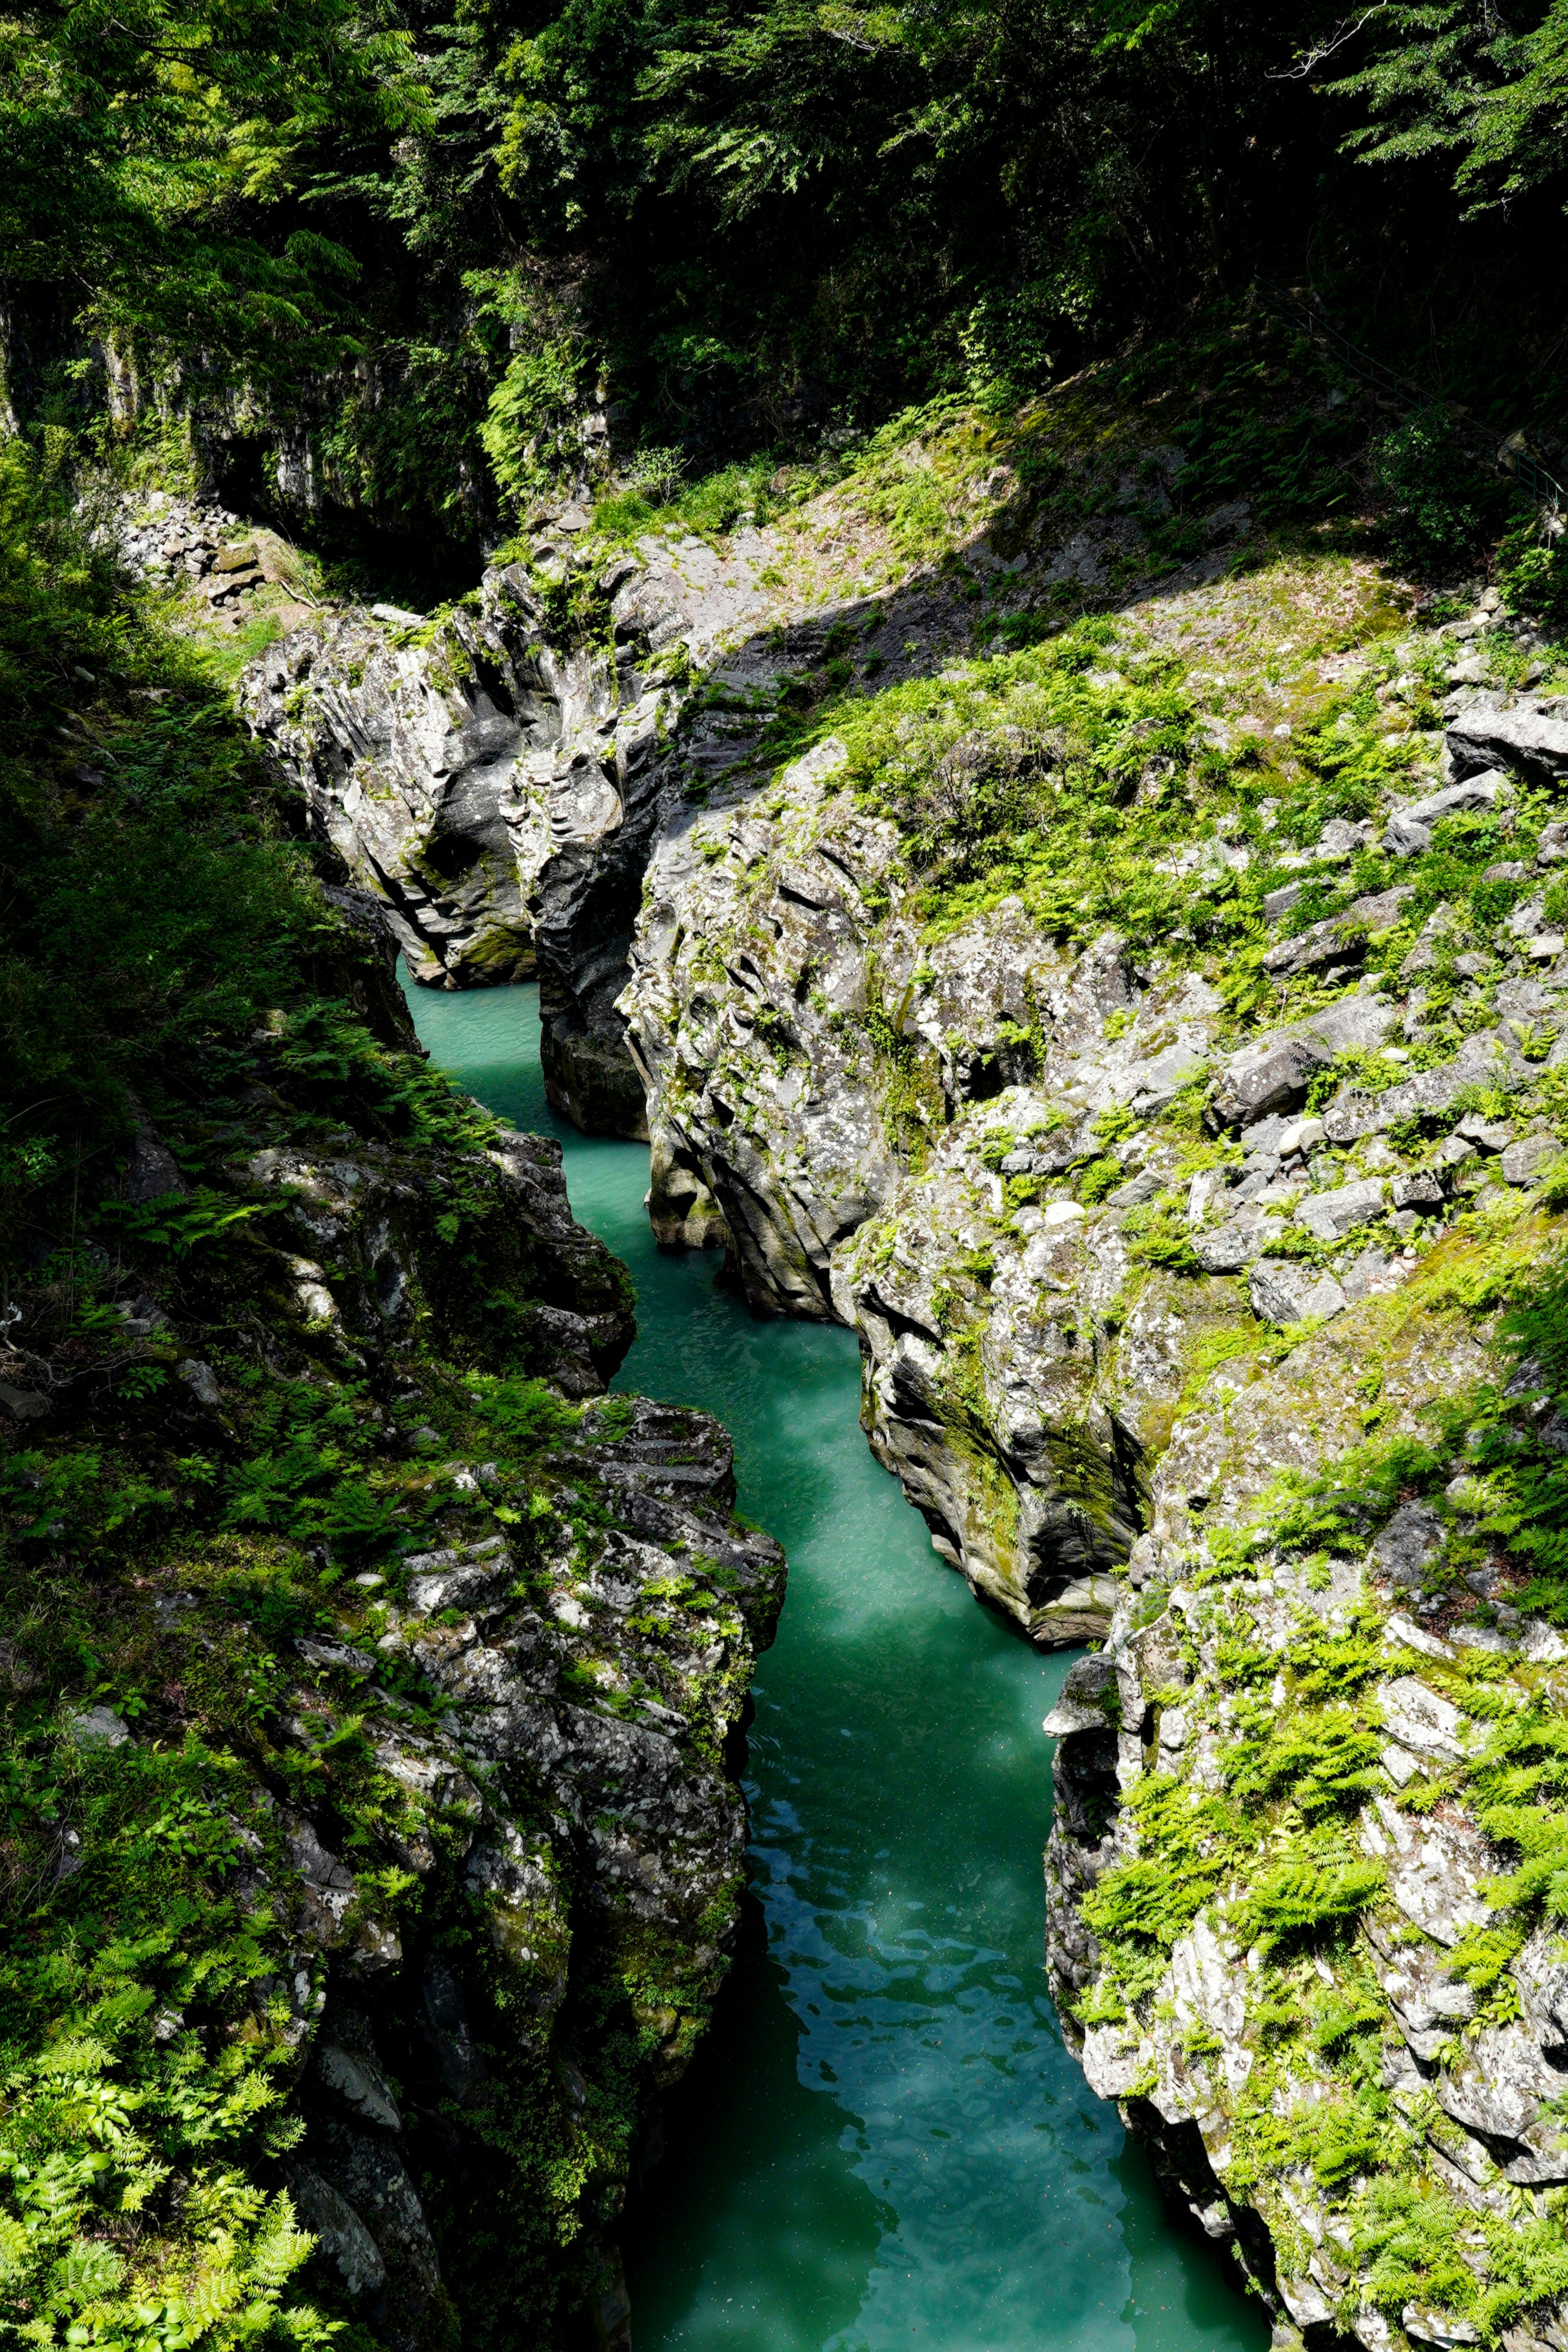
(172, 981)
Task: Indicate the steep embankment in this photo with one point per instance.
(1146, 1030)
(369, 1679)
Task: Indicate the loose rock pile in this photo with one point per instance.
(164, 539)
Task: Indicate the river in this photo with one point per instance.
(882, 2142)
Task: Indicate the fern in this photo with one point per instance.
(1300, 1897)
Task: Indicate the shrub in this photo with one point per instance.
(1437, 505)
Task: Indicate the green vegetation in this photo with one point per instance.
(752, 228)
(200, 1558)
(1266, 1849)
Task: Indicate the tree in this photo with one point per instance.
(143, 145)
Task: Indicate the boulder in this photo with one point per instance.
(1088, 1700)
(358, 2084)
(1404, 837)
(1423, 1721)
(1271, 1075)
(1482, 741)
(1421, 1192)
(1338, 938)
(1229, 1247)
(1284, 1292)
(1356, 1110)
(341, 2238)
(1332, 1215)
(97, 1728)
(1526, 1162)
(151, 1172)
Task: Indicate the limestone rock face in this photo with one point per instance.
(493, 792)
(1197, 2057)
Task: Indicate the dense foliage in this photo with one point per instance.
(422, 237)
(172, 965)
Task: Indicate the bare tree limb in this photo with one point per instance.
(1315, 57)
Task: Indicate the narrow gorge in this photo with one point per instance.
(784, 1179)
(1146, 1041)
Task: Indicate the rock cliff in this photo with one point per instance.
(405, 1757)
(1146, 1030)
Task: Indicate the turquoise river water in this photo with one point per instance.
(882, 2143)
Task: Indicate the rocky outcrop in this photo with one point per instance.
(570, 1804)
(498, 789)
(499, 772)
(815, 1055)
(1162, 1127)
(476, 1638)
(1344, 2020)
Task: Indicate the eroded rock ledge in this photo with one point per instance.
(1038, 1163)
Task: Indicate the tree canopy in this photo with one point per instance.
(423, 229)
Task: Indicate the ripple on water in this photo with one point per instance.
(882, 2141)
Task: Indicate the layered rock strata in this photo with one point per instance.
(978, 1149)
(498, 772)
(1167, 1113)
(813, 1052)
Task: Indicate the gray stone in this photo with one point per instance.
(1471, 795)
(1482, 741)
(1526, 1162)
(97, 1726)
(1228, 1249)
(1446, 2329)
(202, 1381)
(1088, 1700)
(359, 2084)
(1404, 837)
(1283, 1292)
(1341, 937)
(1357, 1111)
(1488, 1135)
(1271, 1075)
(151, 1171)
(1353, 1024)
(1422, 1720)
(1332, 1215)
(1412, 1539)
(1420, 1190)
(1137, 1189)
(1153, 1085)
(341, 2238)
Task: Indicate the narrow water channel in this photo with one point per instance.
(882, 2142)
